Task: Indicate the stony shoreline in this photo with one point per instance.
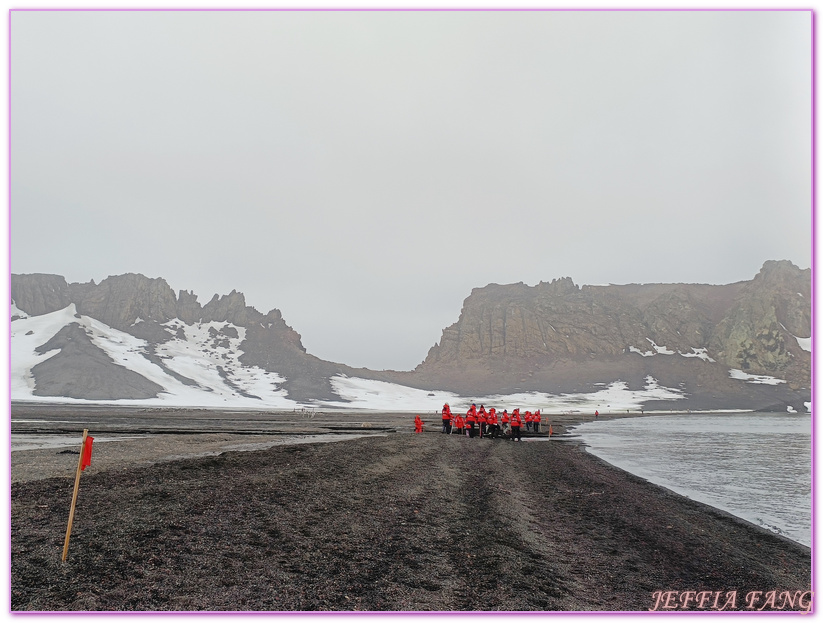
(396, 522)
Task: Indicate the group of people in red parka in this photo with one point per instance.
(489, 424)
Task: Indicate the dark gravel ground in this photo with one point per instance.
(393, 523)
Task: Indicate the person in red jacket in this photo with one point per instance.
(447, 418)
(482, 419)
(458, 424)
(471, 420)
(505, 420)
(418, 424)
(528, 420)
(536, 421)
(516, 423)
(492, 427)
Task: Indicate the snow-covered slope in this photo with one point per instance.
(367, 394)
(194, 356)
(204, 358)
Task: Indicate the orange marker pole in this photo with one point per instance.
(74, 497)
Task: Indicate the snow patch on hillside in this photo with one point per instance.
(370, 394)
(700, 353)
(759, 379)
(657, 350)
(16, 311)
(804, 342)
(660, 350)
(616, 396)
(207, 349)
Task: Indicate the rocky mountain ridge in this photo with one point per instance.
(712, 342)
(141, 306)
(752, 326)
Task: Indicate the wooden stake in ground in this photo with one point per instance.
(82, 463)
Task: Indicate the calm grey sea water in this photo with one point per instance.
(755, 466)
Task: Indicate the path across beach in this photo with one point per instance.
(397, 522)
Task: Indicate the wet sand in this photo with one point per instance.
(388, 522)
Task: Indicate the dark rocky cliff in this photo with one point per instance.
(758, 333)
(558, 336)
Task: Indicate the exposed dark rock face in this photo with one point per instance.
(230, 308)
(120, 300)
(188, 309)
(758, 334)
(151, 331)
(274, 346)
(559, 337)
(39, 294)
(82, 370)
(559, 320)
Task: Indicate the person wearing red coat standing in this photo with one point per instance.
(482, 419)
(447, 418)
(458, 424)
(471, 420)
(418, 424)
(536, 421)
(516, 423)
(492, 427)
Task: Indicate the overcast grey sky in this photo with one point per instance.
(363, 171)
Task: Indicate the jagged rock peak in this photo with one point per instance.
(779, 272)
(120, 300)
(561, 286)
(232, 308)
(188, 309)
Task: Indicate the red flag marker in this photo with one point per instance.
(85, 460)
(82, 463)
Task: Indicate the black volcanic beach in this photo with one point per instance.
(390, 521)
